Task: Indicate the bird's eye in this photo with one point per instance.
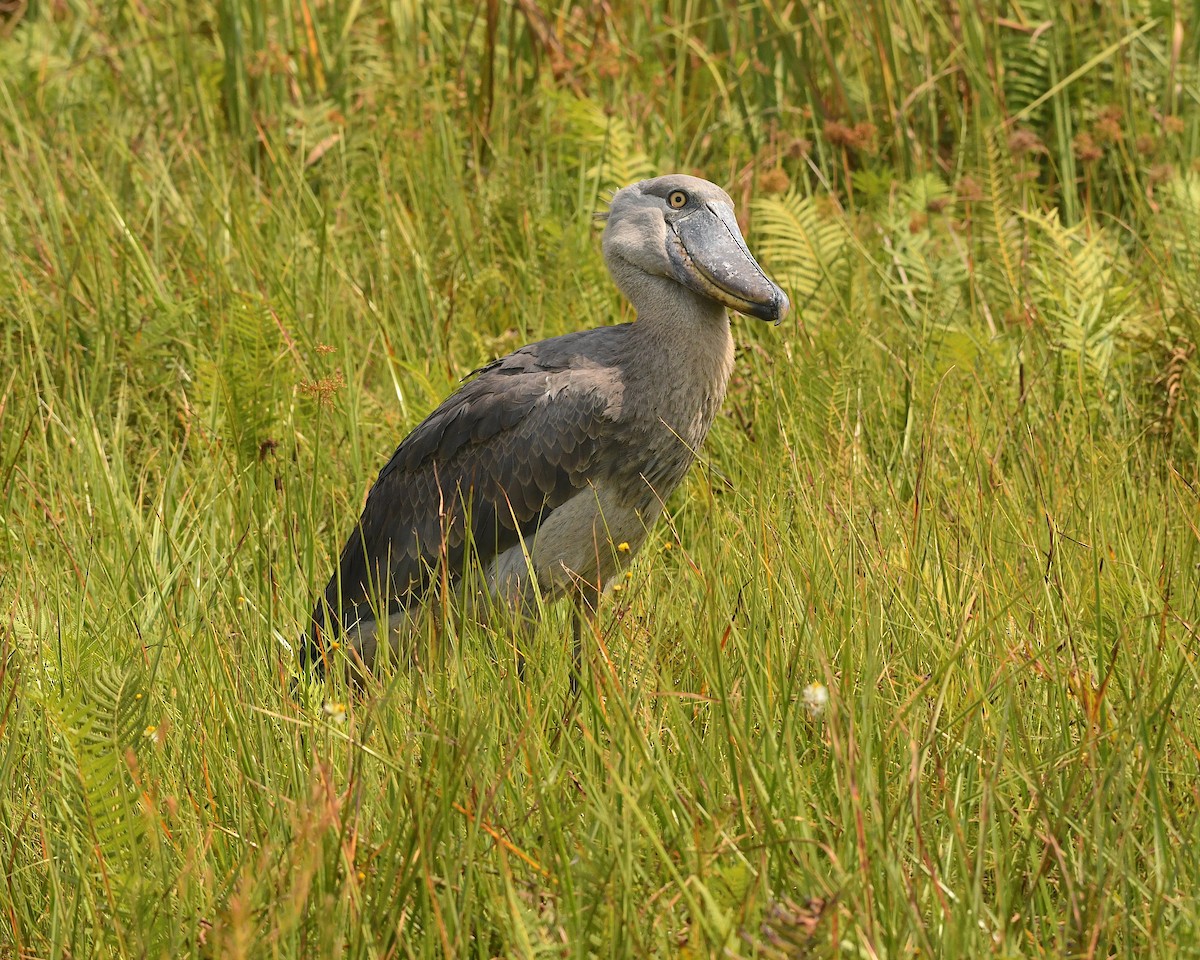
(677, 199)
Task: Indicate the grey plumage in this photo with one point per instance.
(548, 458)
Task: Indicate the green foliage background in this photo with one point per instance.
(248, 245)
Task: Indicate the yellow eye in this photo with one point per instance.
(677, 199)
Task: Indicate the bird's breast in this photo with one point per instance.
(588, 538)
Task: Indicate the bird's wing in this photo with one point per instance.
(486, 467)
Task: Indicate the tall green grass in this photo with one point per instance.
(250, 245)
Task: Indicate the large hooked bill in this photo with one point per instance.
(711, 257)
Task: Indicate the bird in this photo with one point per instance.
(546, 469)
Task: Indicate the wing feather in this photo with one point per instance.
(510, 446)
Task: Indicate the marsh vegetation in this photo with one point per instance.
(907, 669)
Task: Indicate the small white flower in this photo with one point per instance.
(816, 697)
(335, 711)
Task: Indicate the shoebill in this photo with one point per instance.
(545, 470)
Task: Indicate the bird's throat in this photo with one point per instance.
(684, 361)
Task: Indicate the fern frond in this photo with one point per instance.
(1082, 287)
(927, 272)
(237, 381)
(91, 733)
(622, 161)
(1178, 229)
(1024, 65)
(1001, 228)
(801, 246)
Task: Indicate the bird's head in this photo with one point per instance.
(682, 229)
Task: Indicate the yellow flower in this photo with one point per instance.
(618, 587)
(151, 732)
(335, 711)
(623, 546)
(668, 545)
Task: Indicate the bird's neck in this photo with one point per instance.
(682, 346)
(678, 326)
